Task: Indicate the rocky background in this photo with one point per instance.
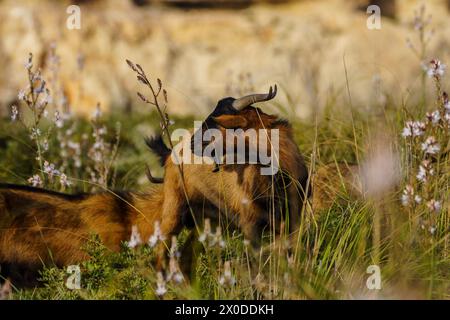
(204, 50)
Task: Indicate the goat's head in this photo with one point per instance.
(231, 113)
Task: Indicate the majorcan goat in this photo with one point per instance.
(239, 190)
(40, 227)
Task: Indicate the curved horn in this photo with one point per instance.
(243, 102)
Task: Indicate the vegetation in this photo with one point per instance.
(399, 223)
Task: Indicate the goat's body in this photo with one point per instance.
(39, 227)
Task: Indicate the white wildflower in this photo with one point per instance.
(102, 131)
(407, 131)
(434, 117)
(160, 285)
(432, 230)
(45, 145)
(447, 119)
(74, 146)
(49, 168)
(413, 129)
(21, 95)
(418, 128)
(98, 145)
(425, 170)
(227, 278)
(218, 240)
(59, 122)
(35, 132)
(209, 238)
(174, 252)
(431, 146)
(135, 238)
(35, 181)
(434, 205)
(447, 107)
(63, 180)
(175, 273)
(407, 195)
(178, 277)
(206, 231)
(14, 113)
(156, 236)
(436, 69)
(418, 199)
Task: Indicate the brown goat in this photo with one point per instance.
(39, 227)
(239, 191)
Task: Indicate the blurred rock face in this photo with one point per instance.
(206, 54)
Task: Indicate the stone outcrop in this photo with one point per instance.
(204, 54)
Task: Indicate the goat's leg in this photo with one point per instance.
(171, 213)
(171, 217)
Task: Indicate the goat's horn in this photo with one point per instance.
(243, 102)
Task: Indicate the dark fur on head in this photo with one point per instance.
(223, 107)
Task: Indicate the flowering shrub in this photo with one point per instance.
(427, 145)
(76, 153)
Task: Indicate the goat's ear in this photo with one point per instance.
(231, 121)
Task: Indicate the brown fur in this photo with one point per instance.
(39, 227)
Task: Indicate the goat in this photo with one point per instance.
(40, 227)
(238, 190)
